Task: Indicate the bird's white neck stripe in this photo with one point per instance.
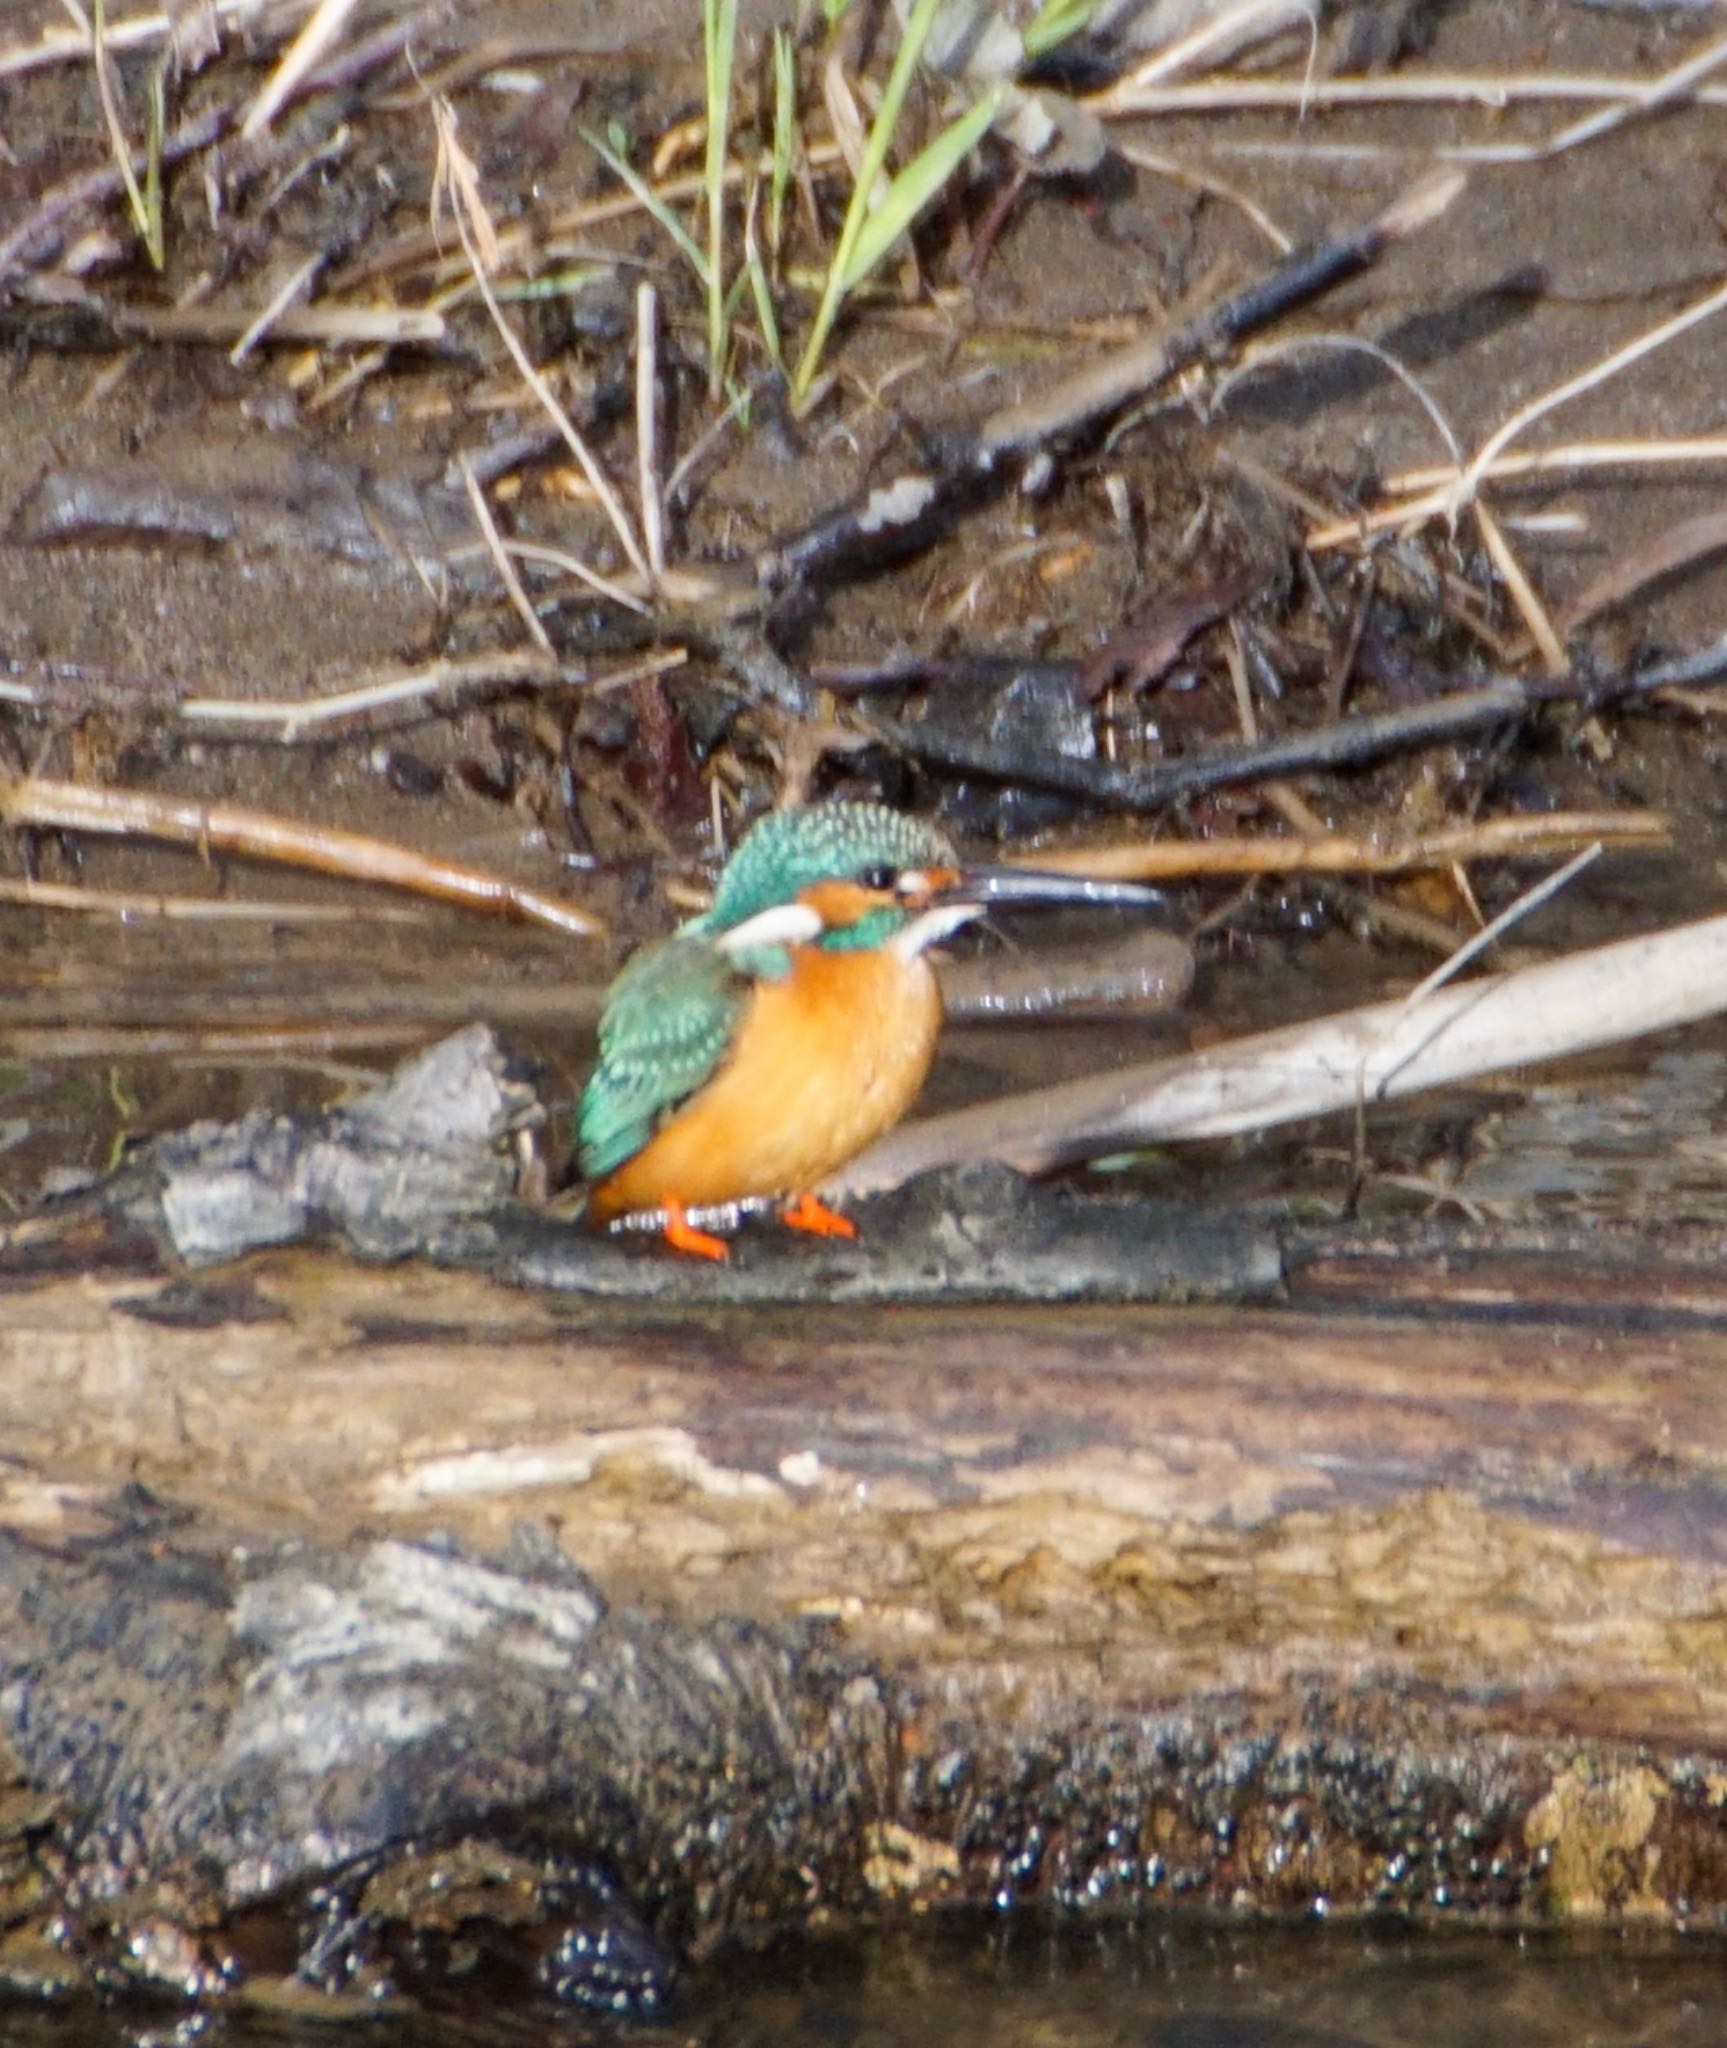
(931, 927)
(782, 924)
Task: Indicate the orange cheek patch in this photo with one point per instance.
(840, 904)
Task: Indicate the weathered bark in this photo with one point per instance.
(633, 1626)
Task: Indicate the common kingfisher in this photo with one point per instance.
(769, 1040)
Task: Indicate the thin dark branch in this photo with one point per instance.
(897, 518)
(1345, 745)
(1349, 743)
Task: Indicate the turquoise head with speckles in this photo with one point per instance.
(789, 851)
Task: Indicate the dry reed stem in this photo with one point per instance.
(262, 835)
(1634, 99)
(1430, 491)
(1492, 91)
(1201, 181)
(584, 572)
(1492, 932)
(1578, 1003)
(1586, 380)
(457, 178)
(273, 1044)
(1672, 85)
(648, 488)
(1225, 30)
(506, 569)
(352, 375)
(1343, 853)
(402, 689)
(323, 325)
(133, 904)
(323, 25)
(1627, 453)
(68, 46)
(1530, 609)
(297, 282)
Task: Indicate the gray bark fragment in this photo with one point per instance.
(381, 1173)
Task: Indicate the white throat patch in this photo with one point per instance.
(931, 927)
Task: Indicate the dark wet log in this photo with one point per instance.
(419, 1166)
(328, 1593)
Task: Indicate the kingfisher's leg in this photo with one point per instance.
(806, 1213)
(682, 1233)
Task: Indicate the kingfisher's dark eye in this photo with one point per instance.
(881, 876)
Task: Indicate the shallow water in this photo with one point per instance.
(1027, 1984)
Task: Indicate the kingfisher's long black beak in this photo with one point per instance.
(1007, 888)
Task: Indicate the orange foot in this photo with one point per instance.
(806, 1213)
(683, 1234)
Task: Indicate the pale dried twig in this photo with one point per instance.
(1492, 932)
(647, 429)
(1575, 1004)
(1523, 593)
(398, 689)
(1220, 31)
(457, 178)
(66, 46)
(1335, 853)
(1200, 181)
(1416, 495)
(131, 904)
(323, 25)
(1491, 90)
(292, 286)
(262, 835)
(584, 572)
(325, 325)
(499, 553)
(1596, 374)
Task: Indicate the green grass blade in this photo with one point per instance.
(918, 25)
(655, 205)
(147, 220)
(785, 136)
(761, 287)
(719, 47)
(914, 188)
(1053, 23)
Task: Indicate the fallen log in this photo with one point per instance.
(544, 1600)
(646, 1629)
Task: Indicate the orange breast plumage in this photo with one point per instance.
(822, 1063)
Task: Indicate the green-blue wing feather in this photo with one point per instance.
(667, 1025)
